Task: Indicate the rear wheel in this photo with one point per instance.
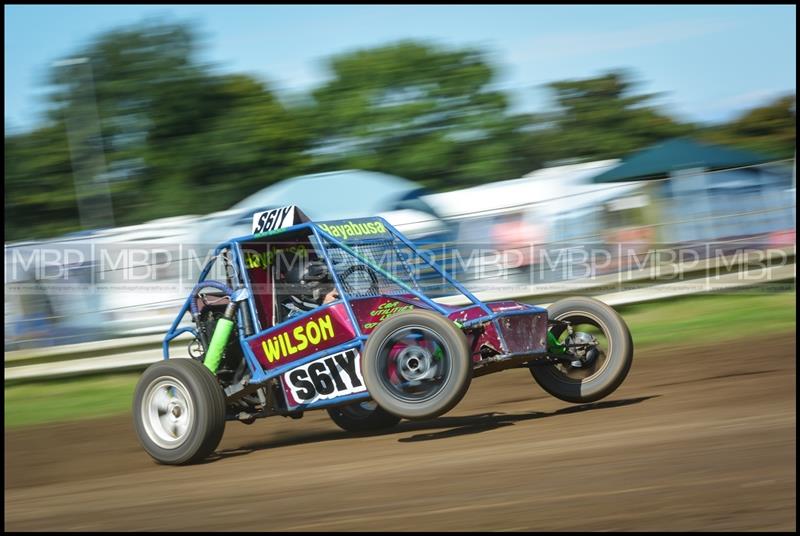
(363, 417)
(600, 357)
(417, 365)
(178, 411)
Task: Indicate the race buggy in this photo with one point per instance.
(376, 342)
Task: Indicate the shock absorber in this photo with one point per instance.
(219, 340)
(223, 329)
(224, 326)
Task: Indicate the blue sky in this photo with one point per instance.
(711, 62)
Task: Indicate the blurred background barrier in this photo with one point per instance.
(139, 352)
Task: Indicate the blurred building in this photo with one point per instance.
(676, 193)
(92, 285)
(703, 193)
(519, 221)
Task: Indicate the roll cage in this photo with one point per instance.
(407, 275)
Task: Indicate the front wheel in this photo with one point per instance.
(363, 417)
(178, 411)
(416, 365)
(599, 351)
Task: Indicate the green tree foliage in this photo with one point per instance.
(113, 86)
(177, 137)
(39, 190)
(769, 129)
(602, 117)
(250, 142)
(422, 112)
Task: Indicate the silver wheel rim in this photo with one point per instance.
(561, 376)
(415, 363)
(417, 374)
(167, 412)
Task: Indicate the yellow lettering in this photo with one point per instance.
(283, 347)
(291, 349)
(314, 338)
(326, 327)
(301, 338)
(350, 228)
(271, 350)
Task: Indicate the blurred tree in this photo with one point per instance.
(601, 117)
(769, 129)
(39, 190)
(177, 137)
(421, 112)
(120, 74)
(253, 142)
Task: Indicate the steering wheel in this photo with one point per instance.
(373, 287)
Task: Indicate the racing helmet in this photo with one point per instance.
(310, 280)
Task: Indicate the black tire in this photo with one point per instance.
(357, 418)
(616, 361)
(191, 388)
(454, 359)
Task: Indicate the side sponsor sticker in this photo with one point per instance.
(326, 328)
(384, 311)
(326, 378)
(358, 228)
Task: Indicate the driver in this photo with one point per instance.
(310, 285)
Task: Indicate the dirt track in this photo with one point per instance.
(693, 440)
